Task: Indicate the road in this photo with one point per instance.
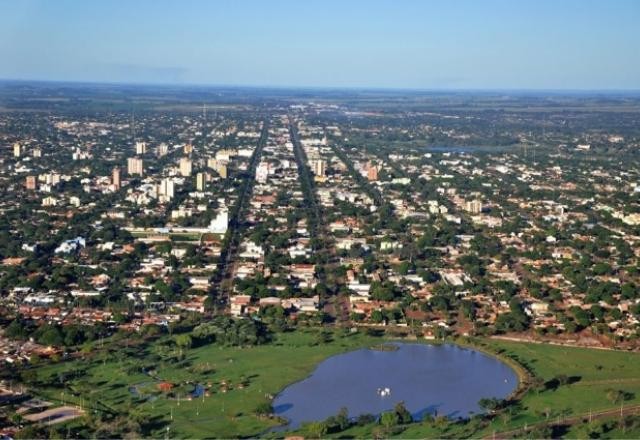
(225, 269)
(317, 227)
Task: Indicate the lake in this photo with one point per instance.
(437, 379)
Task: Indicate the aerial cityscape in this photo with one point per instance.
(296, 257)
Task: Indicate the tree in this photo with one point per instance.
(389, 419)
(316, 429)
(342, 419)
(404, 416)
(184, 341)
(264, 409)
(491, 404)
(377, 316)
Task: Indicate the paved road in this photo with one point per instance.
(225, 267)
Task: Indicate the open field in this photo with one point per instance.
(102, 382)
(125, 381)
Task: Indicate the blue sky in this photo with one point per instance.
(425, 44)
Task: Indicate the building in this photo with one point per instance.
(220, 224)
(17, 150)
(185, 167)
(141, 148)
(220, 166)
(49, 201)
(31, 182)
(134, 166)
(372, 172)
(222, 170)
(188, 149)
(162, 150)
(166, 189)
(115, 177)
(319, 167)
(262, 172)
(36, 152)
(473, 206)
(52, 178)
(201, 179)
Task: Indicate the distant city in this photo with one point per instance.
(173, 260)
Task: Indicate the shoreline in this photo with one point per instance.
(387, 345)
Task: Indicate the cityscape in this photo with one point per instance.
(260, 261)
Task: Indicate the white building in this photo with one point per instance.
(220, 224)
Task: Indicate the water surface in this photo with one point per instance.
(437, 379)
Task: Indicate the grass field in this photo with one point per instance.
(103, 380)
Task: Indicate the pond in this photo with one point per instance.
(437, 379)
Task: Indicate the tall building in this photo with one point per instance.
(31, 182)
(220, 166)
(473, 206)
(372, 172)
(134, 166)
(52, 178)
(201, 179)
(141, 148)
(185, 167)
(319, 167)
(166, 188)
(17, 150)
(188, 149)
(162, 150)
(222, 170)
(115, 177)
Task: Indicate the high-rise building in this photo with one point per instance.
(52, 178)
(141, 148)
(115, 177)
(473, 206)
(220, 166)
(162, 150)
(31, 182)
(17, 150)
(372, 172)
(319, 167)
(201, 179)
(222, 170)
(185, 167)
(134, 166)
(166, 188)
(188, 149)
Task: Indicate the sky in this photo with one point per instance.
(405, 44)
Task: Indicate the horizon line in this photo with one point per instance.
(324, 87)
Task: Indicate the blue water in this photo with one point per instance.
(437, 379)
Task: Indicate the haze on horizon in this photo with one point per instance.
(462, 44)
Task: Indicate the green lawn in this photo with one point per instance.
(264, 370)
(252, 374)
